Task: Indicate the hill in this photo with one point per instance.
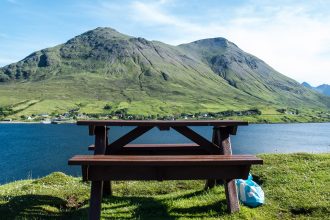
(103, 67)
(324, 88)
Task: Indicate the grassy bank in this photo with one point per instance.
(29, 110)
(296, 186)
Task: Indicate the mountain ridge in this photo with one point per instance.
(103, 65)
(324, 88)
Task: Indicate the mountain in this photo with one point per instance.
(324, 88)
(103, 66)
(307, 85)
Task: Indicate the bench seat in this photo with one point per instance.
(159, 146)
(188, 167)
(159, 149)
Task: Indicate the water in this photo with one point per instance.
(35, 150)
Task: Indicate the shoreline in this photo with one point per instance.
(34, 122)
(74, 122)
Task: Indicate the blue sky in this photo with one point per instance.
(291, 36)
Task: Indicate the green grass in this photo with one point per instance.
(33, 102)
(296, 187)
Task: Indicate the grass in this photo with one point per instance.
(296, 187)
(31, 103)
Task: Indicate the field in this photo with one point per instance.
(296, 187)
(25, 100)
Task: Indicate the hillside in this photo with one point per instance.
(104, 67)
(324, 88)
(296, 186)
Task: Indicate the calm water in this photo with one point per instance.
(35, 150)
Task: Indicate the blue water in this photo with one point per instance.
(35, 150)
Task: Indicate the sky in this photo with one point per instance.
(291, 36)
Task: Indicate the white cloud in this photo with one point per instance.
(290, 38)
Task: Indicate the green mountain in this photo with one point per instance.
(324, 88)
(103, 66)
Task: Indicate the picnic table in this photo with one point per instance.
(202, 159)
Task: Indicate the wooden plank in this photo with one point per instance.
(146, 146)
(188, 145)
(182, 160)
(164, 128)
(100, 140)
(91, 129)
(161, 151)
(84, 172)
(166, 172)
(232, 130)
(127, 138)
(159, 123)
(91, 147)
(203, 142)
(222, 139)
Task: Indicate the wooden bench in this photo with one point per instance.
(201, 146)
(99, 168)
(159, 149)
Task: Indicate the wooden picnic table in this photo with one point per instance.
(137, 153)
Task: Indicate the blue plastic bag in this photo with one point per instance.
(249, 192)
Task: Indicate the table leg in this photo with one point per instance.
(231, 196)
(215, 137)
(222, 139)
(100, 140)
(107, 190)
(209, 184)
(97, 186)
(95, 201)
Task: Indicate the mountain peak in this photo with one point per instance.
(103, 33)
(105, 30)
(324, 88)
(306, 84)
(218, 42)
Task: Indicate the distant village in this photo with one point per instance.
(74, 114)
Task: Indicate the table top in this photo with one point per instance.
(161, 123)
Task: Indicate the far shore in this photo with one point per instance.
(33, 122)
(74, 122)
